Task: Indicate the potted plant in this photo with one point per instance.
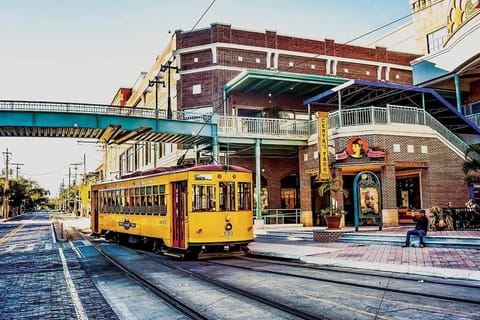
(333, 214)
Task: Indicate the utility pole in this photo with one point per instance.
(75, 200)
(17, 165)
(69, 187)
(5, 189)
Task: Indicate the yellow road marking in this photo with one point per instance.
(11, 233)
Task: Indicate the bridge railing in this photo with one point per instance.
(227, 125)
(41, 106)
(84, 108)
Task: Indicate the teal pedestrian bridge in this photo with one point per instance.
(107, 123)
(118, 124)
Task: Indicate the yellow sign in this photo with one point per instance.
(324, 163)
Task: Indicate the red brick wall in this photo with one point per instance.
(269, 39)
(273, 174)
(212, 82)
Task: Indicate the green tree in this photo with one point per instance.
(25, 195)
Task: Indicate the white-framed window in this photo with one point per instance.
(197, 89)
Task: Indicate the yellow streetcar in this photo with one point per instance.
(183, 211)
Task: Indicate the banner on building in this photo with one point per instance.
(324, 163)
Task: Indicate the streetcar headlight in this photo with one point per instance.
(228, 226)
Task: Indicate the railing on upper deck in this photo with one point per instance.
(392, 114)
(263, 127)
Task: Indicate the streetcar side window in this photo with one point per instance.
(149, 200)
(203, 198)
(143, 201)
(158, 197)
(131, 196)
(118, 201)
(227, 196)
(162, 197)
(244, 196)
(137, 201)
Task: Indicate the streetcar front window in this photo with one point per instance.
(244, 196)
(227, 196)
(203, 197)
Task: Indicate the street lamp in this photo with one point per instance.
(167, 67)
(155, 83)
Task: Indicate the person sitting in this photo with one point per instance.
(420, 230)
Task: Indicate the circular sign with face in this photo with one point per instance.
(357, 147)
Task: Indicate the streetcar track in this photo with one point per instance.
(335, 303)
(300, 313)
(365, 286)
(380, 274)
(276, 304)
(159, 292)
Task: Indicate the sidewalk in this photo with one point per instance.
(438, 262)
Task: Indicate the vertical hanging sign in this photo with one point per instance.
(324, 163)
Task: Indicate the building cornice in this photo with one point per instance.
(215, 46)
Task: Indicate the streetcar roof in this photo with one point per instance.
(169, 170)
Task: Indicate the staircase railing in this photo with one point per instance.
(393, 114)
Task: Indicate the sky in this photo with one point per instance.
(83, 51)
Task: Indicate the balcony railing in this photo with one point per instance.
(389, 115)
(475, 118)
(263, 127)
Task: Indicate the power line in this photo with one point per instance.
(201, 17)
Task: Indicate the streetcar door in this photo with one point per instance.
(179, 197)
(94, 213)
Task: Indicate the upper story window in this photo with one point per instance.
(436, 39)
(475, 107)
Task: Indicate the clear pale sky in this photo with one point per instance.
(83, 51)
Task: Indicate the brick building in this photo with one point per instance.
(260, 81)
